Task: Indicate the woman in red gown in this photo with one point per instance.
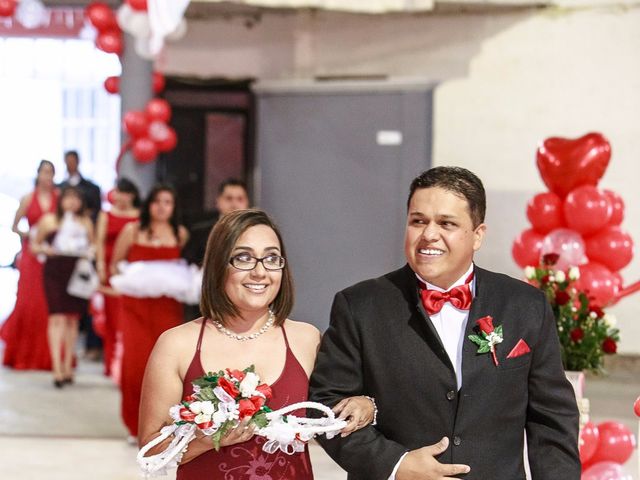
(125, 209)
(247, 295)
(157, 236)
(25, 331)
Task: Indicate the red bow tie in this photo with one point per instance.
(460, 297)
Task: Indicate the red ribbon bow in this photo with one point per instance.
(460, 297)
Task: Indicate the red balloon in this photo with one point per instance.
(544, 211)
(565, 163)
(144, 149)
(169, 143)
(158, 82)
(136, 124)
(587, 209)
(526, 248)
(112, 84)
(617, 280)
(636, 407)
(8, 8)
(159, 109)
(101, 16)
(139, 5)
(588, 442)
(110, 41)
(165, 137)
(616, 443)
(598, 282)
(604, 471)
(617, 205)
(111, 196)
(611, 247)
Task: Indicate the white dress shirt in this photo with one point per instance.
(450, 323)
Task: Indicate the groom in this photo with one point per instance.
(448, 407)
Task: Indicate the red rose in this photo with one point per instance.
(562, 298)
(257, 401)
(545, 279)
(205, 425)
(550, 259)
(609, 345)
(228, 387)
(187, 415)
(237, 374)
(597, 310)
(265, 390)
(190, 398)
(577, 334)
(486, 324)
(247, 408)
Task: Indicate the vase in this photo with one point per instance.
(576, 378)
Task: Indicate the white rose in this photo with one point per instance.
(174, 412)
(530, 272)
(207, 408)
(195, 407)
(610, 320)
(249, 384)
(219, 417)
(560, 276)
(202, 418)
(574, 273)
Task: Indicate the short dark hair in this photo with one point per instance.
(145, 212)
(72, 153)
(214, 302)
(66, 191)
(125, 185)
(458, 180)
(232, 182)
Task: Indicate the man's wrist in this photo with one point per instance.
(375, 409)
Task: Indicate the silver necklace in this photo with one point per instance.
(243, 338)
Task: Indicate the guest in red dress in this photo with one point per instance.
(25, 331)
(157, 236)
(64, 237)
(125, 209)
(247, 295)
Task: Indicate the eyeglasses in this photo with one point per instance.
(244, 261)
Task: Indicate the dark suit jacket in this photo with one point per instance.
(380, 343)
(91, 193)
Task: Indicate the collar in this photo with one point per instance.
(460, 281)
(75, 179)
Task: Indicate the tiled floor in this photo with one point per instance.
(75, 433)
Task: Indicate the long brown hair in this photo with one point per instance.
(214, 302)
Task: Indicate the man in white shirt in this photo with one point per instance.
(460, 361)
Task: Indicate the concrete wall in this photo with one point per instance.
(508, 79)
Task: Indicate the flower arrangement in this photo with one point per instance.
(585, 331)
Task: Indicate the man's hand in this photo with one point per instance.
(421, 464)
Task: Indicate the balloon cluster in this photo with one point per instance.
(575, 219)
(29, 13)
(109, 38)
(149, 130)
(112, 84)
(603, 450)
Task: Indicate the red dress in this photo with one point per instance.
(25, 331)
(247, 461)
(142, 321)
(112, 303)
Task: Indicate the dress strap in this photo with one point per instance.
(286, 341)
(204, 324)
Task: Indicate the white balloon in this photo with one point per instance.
(123, 17)
(143, 49)
(31, 13)
(179, 32)
(139, 25)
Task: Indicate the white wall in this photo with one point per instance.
(508, 80)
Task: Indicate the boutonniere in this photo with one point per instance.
(489, 337)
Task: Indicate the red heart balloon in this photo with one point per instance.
(565, 163)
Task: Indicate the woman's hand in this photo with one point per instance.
(242, 433)
(357, 411)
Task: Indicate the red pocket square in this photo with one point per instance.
(520, 349)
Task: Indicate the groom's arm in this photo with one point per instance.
(552, 415)
(338, 373)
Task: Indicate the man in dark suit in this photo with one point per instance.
(448, 406)
(90, 191)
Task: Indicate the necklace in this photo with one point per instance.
(244, 338)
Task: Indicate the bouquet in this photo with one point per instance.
(220, 401)
(585, 331)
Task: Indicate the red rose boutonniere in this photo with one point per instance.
(489, 337)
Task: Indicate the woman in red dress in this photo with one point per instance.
(125, 209)
(247, 295)
(25, 331)
(157, 236)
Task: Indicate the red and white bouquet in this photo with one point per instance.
(220, 401)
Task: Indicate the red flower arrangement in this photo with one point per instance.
(585, 331)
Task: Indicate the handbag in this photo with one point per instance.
(84, 280)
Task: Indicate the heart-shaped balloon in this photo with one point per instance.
(565, 163)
